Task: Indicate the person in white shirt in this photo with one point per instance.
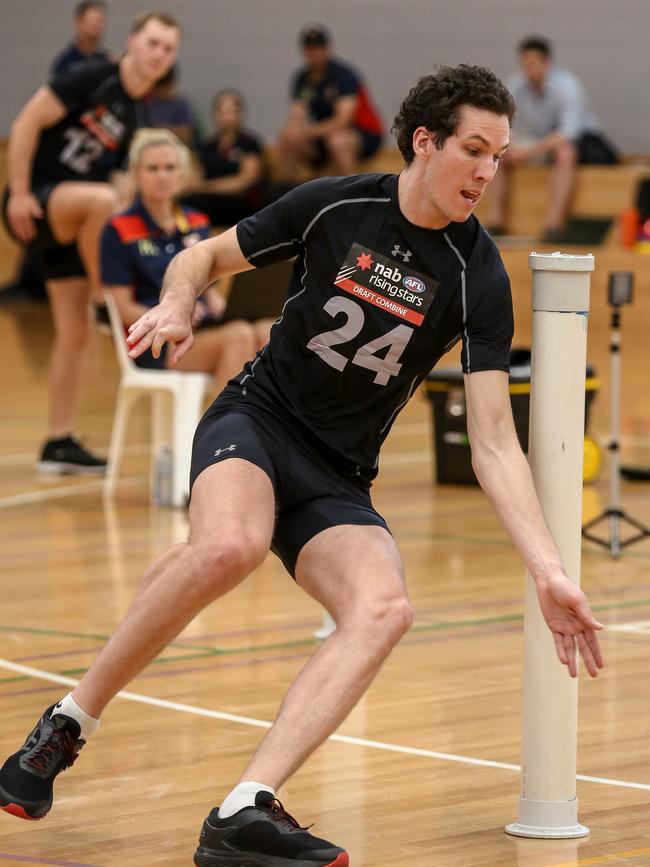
(553, 123)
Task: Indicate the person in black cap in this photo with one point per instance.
(332, 119)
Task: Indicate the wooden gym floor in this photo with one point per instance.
(421, 774)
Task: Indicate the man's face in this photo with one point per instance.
(456, 176)
(154, 49)
(316, 56)
(535, 66)
(91, 25)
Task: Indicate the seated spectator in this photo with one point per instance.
(332, 119)
(553, 123)
(89, 25)
(232, 165)
(171, 110)
(139, 243)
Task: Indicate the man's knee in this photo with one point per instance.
(104, 200)
(341, 142)
(220, 564)
(565, 153)
(386, 621)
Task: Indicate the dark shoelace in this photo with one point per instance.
(58, 741)
(278, 813)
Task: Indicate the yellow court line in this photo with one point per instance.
(604, 859)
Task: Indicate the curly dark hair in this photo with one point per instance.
(436, 100)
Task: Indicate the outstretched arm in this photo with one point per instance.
(188, 274)
(504, 475)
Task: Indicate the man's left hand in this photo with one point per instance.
(569, 617)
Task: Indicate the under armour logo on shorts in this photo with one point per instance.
(397, 251)
(231, 448)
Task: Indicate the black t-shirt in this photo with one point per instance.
(373, 304)
(219, 162)
(93, 138)
(321, 96)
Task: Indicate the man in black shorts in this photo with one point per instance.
(64, 145)
(390, 272)
(332, 118)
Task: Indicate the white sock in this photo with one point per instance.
(242, 796)
(69, 707)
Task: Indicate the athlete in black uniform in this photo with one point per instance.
(64, 144)
(390, 272)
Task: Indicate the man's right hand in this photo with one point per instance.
(168, 322)
(22, 210)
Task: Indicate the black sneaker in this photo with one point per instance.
(66, 456)
(27, 777)
(263, 836)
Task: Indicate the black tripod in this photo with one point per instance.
(619, 293)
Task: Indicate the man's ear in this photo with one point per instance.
(423, 141)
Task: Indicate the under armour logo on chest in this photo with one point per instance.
(397, 251)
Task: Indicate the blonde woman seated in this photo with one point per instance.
(138, 245)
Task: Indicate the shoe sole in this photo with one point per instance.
(52, 468)
(22, 812)
(210, 858)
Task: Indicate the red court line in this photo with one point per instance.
(28, 859)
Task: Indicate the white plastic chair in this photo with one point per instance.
(177, 400)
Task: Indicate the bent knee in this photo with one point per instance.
(566, 153)
(104, 199)
(388, 619)
(341, 140)
(222, 564)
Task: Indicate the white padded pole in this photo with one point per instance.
(548, 806)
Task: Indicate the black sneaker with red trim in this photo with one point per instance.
(27, 777)
(263, 836)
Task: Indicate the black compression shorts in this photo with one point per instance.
(310, 494)
(59, 260)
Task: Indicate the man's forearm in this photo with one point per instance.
(507, 481)
(189, 273)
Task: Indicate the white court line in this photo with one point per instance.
(43, 494)
(264, 724)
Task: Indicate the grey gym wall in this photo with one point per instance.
(251, 44)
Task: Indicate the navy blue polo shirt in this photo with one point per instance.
(135, 252)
